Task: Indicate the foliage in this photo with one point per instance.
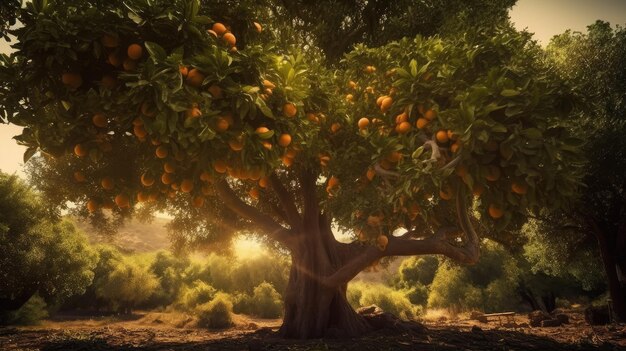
(197, 294)
(266, 302)
(38, 253)
(128, 285)
(417, 270)
(217, 313)
(169, 269)
(33, 311)
(389, 300)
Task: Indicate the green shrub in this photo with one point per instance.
(418, 294)
(417, 270)
(217, 313)
(198, 294)
(30, 313)
(266, 301)
(388, 299)
(128, 285)
(242, 303)
(354, 293)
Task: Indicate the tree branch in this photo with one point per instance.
(287, 201)
(265, 223)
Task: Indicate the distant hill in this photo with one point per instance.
(134, 236)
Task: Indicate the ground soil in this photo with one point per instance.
(175, 331)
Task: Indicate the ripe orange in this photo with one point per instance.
(197, 201)
(370, 174)
(230, 39)
(287, 161)
(186, 186)
(370, 69)
(352, 84)
(107, 183)
(394, 157)
(266, 144)
(334, 128)
(403, 117)
(135, 51)
(122, 201)
(220, 166)
(519, 188)
(493, 173)
(142, 197)
(421, 123)
(236, 144)
(193, 112)
(268, 84)
(256, 173)
(80, 150)
(147, 109)
(261, 130)
(258, 27)
(442, 137)
(455, 147)
(137, 121)
(221, 124)
(114, 60)
(332, 182)
(349, 97)
(110, 41)
(363, 123)
(161, 151)
(205, 176)
(139, 131)
(169, 168)
(381, 242)
(430, 115)
(254, 193)
(79, 177)
(184, 71)
(129, 65)
(219, 28)
(289, 109)
(495, 211)
(284, 140)
(147, 180)
(403, 127)
(215, 91)
(167, 178)
(263, 182)
(380, 99)
(446, 193)
(99, 120)
(385, 104)
(92, 206)
(72, 80)
(195, 78)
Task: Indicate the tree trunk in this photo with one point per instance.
(617, 290)
(313, 309)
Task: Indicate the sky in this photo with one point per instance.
(545, 18)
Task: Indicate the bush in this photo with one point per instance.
(217, 313)
(418, 294)
(30, 313)
(198, 294)
(417, 270)
(390, 300)
(242, 303)
(128, 285)
(266, 301)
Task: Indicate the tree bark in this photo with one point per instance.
(617, 290)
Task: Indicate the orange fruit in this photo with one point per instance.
(385, 104)
(137, 121)
(197, 201)
(403, 128)
(403, 117)
(80, 150)
(114, 60)
(219, 28)
(332, 182)
(195, 78)
(349, 97)
(394, 157)
(266, 144)
(495, 211)
(79, 177)
(205, 176)
(220, 166)
(92, 206)
(334, 128)
(519, 188)
(140, 131)
(352, 84)
(442, 137)
(147, 180)
(107, 183)
(135, 51)
(122, 201)
(221, 124)
(268, 84)
(147, 109)
(261, 130)
(206, 190)
(478, 189)
(142, 197)
(370, 174)
(236, 144)
(99, 120)
(263, 182)
(230, 39)
(421, 123)
(215, 91)
(284, 140)
(129, 65)
(186, 185)
(110, 41)
(493, 173)
(184, 71)
(370, 69)
(287, 161)
(289, 109)
(363, 123)
(380, 99)
(167, 178)
(446, 193)
(258, 27)
(381, 242)
(430, 115)
(455, 147)
(193, 112)
(72, 80)
(313, 118)
(161, 151)
(169, 168)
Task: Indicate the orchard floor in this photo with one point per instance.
(174, 331)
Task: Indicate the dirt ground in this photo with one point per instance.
(175, 331)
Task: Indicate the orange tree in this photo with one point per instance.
(162, 105)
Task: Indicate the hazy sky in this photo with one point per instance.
(545, 18)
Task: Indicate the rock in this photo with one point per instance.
(562, 317)
(536, 317)
(253, 326)
(550, 323)
(478, 316)
(597, 315)
(371, 309)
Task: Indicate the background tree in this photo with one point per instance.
(160, 107)
(595, 63)
(37, 253)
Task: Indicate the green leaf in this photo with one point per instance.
(532, 133)
(156, 51)
(413, 67)
(264, 109)
(266, 135)
(418, 152)
(509, 92)
(30, 152)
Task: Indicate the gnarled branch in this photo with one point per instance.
(287, 201)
